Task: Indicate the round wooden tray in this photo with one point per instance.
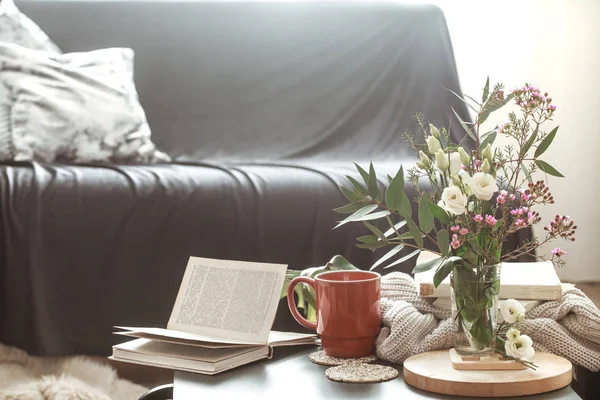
(433, 372)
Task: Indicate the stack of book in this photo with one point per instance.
(530, 283)
(221, 319)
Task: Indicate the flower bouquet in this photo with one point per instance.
(470, 199)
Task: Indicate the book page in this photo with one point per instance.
(228, 299)
(191, 339)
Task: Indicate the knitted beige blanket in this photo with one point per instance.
(569, 328)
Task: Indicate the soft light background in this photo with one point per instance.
(554, 44)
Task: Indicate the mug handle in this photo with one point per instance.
(292, 304)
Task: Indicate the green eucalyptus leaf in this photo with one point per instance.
(341, 263)
(377, 215)
(414, 231)
(402, 259)
(375, 230)
(374, 191)
(358, 214)
(439, 213)
(464, 125)
(528, 145)
(368, 239)
(387, 256)
(358, 188)
(363, 173)
(427, 265)
(314, 271)
(493, 105)
(547, 168)
(405, 206)
(469, 256)
(395, 190)
(348, 208)
(443, 242)
(351, 195)
(311, 314)
(546, 143)
(463, 100)
(300, 302)
(475, 247)
(481, 331)
(486, 90)
(372, 246)
(444, 270)
(425, 216)
(526, 172)
(393, 230)
(409, 235)
(489, 139)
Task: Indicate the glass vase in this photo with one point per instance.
(474, 296)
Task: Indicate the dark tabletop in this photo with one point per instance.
(290, 375)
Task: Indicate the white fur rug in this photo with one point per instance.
(24, 377)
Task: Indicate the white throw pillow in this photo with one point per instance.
(16, 28)
(76, 107)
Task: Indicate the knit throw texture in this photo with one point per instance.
(412, 325)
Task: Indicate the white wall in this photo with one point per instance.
(555, 45)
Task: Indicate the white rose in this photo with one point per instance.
(454, 200)
(513, 334)
(455, 163)
(433, 145)
(521, 348)
(510, 310)
(482, 185)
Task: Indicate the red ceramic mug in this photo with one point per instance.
(348, 311)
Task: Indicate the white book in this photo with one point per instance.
(221, 319)
(518, 280)
(446, 304)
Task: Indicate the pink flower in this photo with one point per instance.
(511, 197)
(491, 221)
(501, 200)
(455, 244)
(463, 231)
(503, 193)
(455, 228)
(478, 218)
(455, 237)
(551, 107)
(519, 211)
(558, 252)
(520, 223)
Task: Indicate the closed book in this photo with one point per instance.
(518, 280)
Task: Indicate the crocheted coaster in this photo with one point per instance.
(361, 373)
(321, 358)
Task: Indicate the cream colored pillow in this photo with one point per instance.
(76, 107)
(16, 28)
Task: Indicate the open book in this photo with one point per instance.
(518, 280)
(221, 319)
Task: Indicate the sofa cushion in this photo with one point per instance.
(16, 28)
(76, 107)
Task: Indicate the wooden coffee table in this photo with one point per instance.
(290, 375)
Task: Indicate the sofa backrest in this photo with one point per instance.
(255, 81)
